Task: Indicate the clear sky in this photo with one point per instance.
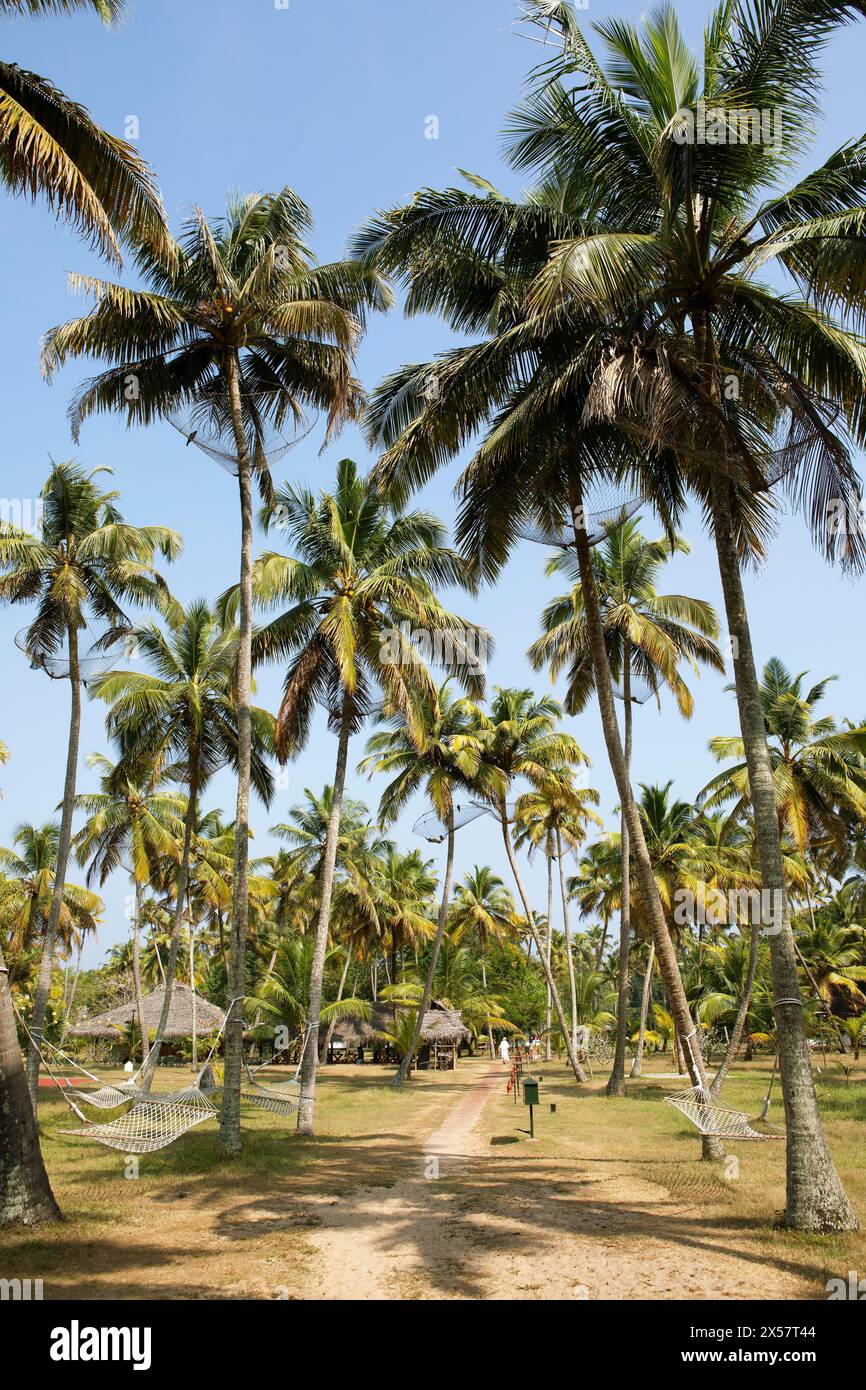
(334, 100)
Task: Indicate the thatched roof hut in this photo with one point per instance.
(441, 1025)
(208, 1017)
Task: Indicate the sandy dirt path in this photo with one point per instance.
(477, 1221)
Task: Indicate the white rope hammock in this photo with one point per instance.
(150, 1124)
(280, 1097)
(717, 1120)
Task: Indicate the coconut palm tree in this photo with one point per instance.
(360, 614)
(746, 383)
(244, 330)
(52, 148)
(433, 748)
(86, 562)
(819, 770)
(521, 742)
(648, 636)
(182, 718)
(556, 813)
(131, 823)
(31, 869)
(485, 907)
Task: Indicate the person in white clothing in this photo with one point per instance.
(504, 1050)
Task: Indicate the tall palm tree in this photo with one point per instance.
(819, 770)
(433, 746)
(132, 823)
(182, 718)
(361, 614)
(745, 383)
(648, 636)
(84, 565)
(244, 329)
(483, 905)
(521, 742)
(550, 817)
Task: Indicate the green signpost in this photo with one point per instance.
(530, 1098)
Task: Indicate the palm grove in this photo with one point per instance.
(620, 336)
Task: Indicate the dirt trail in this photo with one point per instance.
(477, 1222)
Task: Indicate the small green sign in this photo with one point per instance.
(530, 1091)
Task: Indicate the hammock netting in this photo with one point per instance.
(640, 690)
(108, 1097)
(280, 1097)
(101, 657)
(151, 1124)
(431, 827)
(605, 504)
(717, 1120)
(220, 445)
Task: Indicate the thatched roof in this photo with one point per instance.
(207, 1016)
(441, 1025)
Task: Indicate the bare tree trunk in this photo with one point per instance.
(577, 1069)
(405, 1067)
(309, 1065)
(566, 931)
(25, 1192)
(646, 882)
(548, 946)
(616, 1080)
(46, 964)
(637, 1064)
(136, 974)
(230, 1113)
(816, 1199)
(147, 1073)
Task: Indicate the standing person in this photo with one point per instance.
(504, 1051)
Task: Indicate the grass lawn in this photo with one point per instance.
(610, 1196)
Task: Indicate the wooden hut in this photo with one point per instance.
(442, 1034)
(188, 1014)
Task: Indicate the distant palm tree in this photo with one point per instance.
(521, 742)
(28, 893)
(86, 562)
(557, 813)
(132, 823)
(483, 905)
(182, 719)
(361, 609)
(434, 746)
(242, 328)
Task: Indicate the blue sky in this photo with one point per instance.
(334, 100)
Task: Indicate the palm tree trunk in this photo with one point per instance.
(616, 1080)
(637, 1064)
(816, 1199)
(192, 987)
(406, 1064)
(46, 964)
(136, 974)
(548, 946)
(25, 1192)
(566, 931)
(646, 880)
(148, 1071)
(483, 963)
(601, 945)
(310, 1061)
(577, 1069)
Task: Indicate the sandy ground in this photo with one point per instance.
(480, 1221)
